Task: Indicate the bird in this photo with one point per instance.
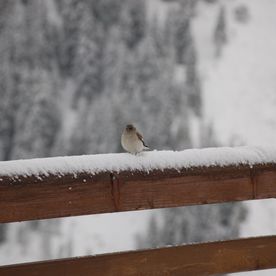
(132, 141)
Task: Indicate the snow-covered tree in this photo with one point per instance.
(134, 22)
(89, 56)
(40, 121)
(74, 72)
(70, 12)
(193, 224)
(220, 32)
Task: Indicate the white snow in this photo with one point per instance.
(240, 90)
(146, 161)
(86, 235)
(195, 129)
(53, 15)
(240, 97)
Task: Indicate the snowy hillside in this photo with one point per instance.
(240, 91)
(240, 87)
(189, 73)
(72, 74)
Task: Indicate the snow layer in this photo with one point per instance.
(146, 161)
(239, 91)
(239, 88)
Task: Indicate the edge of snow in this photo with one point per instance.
(146, 161)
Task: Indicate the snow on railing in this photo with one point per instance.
(80, 185)
(145, 162)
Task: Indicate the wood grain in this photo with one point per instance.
(30, 198)
(197, 259)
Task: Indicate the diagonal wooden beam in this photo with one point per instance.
(197, 259)
(52, 196)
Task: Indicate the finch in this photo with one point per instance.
(132, 141)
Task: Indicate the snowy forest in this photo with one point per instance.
(74, 72)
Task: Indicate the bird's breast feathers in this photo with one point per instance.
(132, 143)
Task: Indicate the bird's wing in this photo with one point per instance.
(140, 137)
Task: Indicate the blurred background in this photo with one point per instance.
(188, 73)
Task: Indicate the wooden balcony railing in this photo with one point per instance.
(52, 195)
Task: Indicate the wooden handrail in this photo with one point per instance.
(187, 260)
(52, 196)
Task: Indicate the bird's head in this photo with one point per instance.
(130, 127)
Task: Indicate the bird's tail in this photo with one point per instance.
(146, 147)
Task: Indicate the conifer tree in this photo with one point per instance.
(134, 23)
(71, 14)
(220, 38)
(89, 57)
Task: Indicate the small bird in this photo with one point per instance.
(132, 141)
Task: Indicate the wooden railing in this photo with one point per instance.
(30, 198)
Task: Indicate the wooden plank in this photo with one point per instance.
(266, 184)
(71, 195)
(52, 197)
(197, 259)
